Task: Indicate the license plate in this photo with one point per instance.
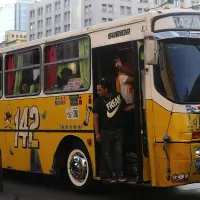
(197, 165)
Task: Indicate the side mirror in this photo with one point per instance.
(151, 52)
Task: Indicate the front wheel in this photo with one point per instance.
(79, 168)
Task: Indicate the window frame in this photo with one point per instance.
(67, 61)
(7, 71)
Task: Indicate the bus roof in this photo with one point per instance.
(147, 16)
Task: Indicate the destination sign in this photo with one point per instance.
(191, 22)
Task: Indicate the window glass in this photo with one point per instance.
(23, 73)
(67, 66)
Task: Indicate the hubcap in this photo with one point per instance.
(78, 167)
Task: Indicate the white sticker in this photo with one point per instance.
(72, 113)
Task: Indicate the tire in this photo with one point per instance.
(79, 168)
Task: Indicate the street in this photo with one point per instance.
(23, 186)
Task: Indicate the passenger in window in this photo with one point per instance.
(35, 87)
(62, 81)
(108, 109)
(67, 82)
(24, 88)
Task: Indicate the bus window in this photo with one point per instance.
(1, 92)
(67, 66)
(23, 73)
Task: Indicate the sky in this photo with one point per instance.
(3, 3)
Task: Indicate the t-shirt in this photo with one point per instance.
(73, 84)
(126, 89)
(110, 112)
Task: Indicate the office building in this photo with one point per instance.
(49, 17)
(13, 16)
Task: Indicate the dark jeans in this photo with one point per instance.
(112, 142)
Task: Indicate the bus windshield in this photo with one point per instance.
(177, 75)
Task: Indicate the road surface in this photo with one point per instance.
(22, 186)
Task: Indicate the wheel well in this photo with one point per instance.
(63, 149)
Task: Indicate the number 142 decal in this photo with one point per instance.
(26, 130)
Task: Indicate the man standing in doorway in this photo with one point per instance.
(108, 124)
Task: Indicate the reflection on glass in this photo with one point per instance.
(177, 75)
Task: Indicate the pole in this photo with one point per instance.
(1, 174)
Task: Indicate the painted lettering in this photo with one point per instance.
(25, 131)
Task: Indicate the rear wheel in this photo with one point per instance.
(79, 168)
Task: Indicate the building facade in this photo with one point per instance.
(13, 35)
(13, 16)
(49, 17)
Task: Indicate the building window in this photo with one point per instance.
(40, 11)
(122, 10)
(139, 10)
(90, 8)
(32, 14)
(67, 15)
(143, 1)
(32, 25)
(13, 35)
(74, 65)
(67, 3)
(40, 23)
(48, 32)
(57, 18)
(128, 10)
(23, 74)
(48, 8)
(88, 22)
(40, 35)
(110, 8)
(104, 20)
(57, 5)
(110, 19)
(67, 27)
(86, 9)
(48, 21)
(104, 9)
(57, 30)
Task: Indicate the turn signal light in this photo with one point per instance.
(195, 135)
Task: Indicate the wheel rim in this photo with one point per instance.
(77, 165)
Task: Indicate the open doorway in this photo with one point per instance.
(104, 67)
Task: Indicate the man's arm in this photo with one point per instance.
(129, 80)
(123, 69)
(96, 126)
(129, 107)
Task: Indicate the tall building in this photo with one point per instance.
(13, 16)
(49, 17)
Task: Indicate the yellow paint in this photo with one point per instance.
(181, 150)
(53, 123)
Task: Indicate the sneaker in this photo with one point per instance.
(114, 177)
(121, 177)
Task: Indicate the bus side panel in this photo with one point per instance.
(180, 164)
(43, 123)
(4, 152)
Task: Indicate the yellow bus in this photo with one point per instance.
(48, 129)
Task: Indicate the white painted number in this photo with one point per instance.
(26, 132)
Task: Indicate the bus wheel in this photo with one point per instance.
(79, 169)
